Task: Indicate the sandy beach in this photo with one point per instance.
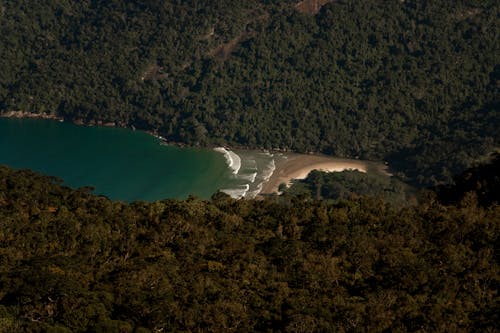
(298, 166)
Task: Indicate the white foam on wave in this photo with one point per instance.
(237, 193)
(254, 193)
(252, 165)
(232, 159)
(266, 153)
(266, 174)
(250, 177)
(268, 171)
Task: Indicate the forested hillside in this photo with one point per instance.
(351, 184)
(412, 82)
(74, 262)
(482, 179)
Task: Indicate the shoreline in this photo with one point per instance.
(289, 165)
(30, 115)
(154, 133)
(295, 166)
(80, 122)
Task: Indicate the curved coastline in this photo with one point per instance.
(232, 159)
(282, 169)
(298, 166)
(115, 162)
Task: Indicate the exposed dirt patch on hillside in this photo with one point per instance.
(153, 72)
(467, 13)
(223, 52)
(311, 6)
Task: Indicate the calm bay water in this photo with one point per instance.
(118, 163)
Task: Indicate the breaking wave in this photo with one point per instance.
(250, 177)
(268, 171)
(237, 193)
(255, 192)
(252, 164)
(232, 159)
(250, 171)
(263, 177)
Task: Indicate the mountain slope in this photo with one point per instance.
(71, 261)
(412, 82)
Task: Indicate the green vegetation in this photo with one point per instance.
(350, 185)
(483, 180)
(72, 261)
(412, 82)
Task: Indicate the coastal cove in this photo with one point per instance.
(132, 165)
(119, 163)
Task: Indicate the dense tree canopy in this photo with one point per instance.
(483, 179)
(74, 262)
(413, 82)
(351, 184)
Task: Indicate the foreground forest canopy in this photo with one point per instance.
(412, 82)
(71, 261)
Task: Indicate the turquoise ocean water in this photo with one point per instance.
(128, 165)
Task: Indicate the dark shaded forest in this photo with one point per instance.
(351, 184)
(415, 83)
(483, 179)
(71, 261)
(412, 82)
